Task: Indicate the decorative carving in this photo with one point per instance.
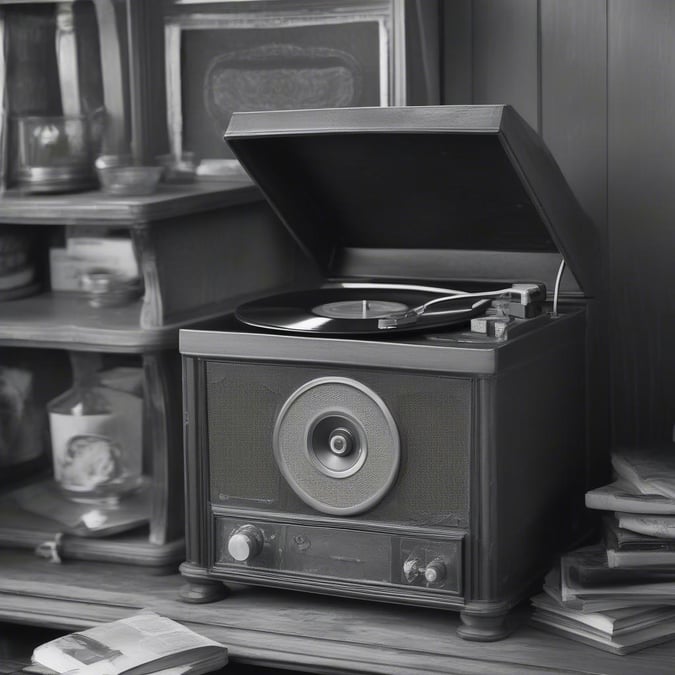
(152, 311)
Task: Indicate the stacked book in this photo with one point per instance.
(619, 594)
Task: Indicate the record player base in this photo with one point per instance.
(484, 627)
(202, 591)
(480, 622)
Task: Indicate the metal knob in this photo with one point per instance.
(412, 568)
(341, 441)
(435, 571)
(245, 543)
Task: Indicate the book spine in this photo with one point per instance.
(639, 558)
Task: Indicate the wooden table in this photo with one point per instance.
(299, 631)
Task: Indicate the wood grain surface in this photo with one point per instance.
(505, 55)
(300, 631)
(641, 212)
(100, 209)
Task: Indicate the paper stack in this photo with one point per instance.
(639, 527)
(619, 594)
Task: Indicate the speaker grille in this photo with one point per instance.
(241, 410)
(433, 414)
(378, 446)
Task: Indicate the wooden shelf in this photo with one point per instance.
(67, 321)
(296, 630)
(202, 249)
(27, 531)
(98, 208)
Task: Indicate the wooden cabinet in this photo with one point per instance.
(201, 250)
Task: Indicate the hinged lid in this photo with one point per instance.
(434, 192)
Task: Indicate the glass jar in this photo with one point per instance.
(96, 434)
(54, 153)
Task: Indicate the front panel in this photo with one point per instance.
(293, 553)
(270, 429)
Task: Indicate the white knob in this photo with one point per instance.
(245, 543)
(434, 572)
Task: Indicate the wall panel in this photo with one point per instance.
(574, 97)
(456, 52)
(573, 107)
(505, 55)
(596, 79)
(642, 218)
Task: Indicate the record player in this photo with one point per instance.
(413, 428)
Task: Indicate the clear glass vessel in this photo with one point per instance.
(54, 153)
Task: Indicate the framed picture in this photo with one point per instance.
(276, 54)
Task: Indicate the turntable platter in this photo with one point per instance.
(361, 309)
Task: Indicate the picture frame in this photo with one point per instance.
(255, 55)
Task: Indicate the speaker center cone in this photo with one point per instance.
(336, 445)
(341, 442)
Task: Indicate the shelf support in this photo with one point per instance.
(163, 440)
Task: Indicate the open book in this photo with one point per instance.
(139, 644)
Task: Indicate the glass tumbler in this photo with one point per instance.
(54, 153)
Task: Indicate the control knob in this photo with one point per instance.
(245, 543)
(412, 568)
(434, 572)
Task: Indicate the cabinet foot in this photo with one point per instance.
(483, 627)
(203, 591)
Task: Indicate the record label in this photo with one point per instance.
(359, 309)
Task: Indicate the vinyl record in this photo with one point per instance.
(362, 309)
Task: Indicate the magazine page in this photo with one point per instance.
(622, 496)
(44, 498)
(654, 526)
(142, 643)
(648, 470)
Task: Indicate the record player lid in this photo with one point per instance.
(468, 188)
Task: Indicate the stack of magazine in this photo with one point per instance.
(619, 594)
(137, 645)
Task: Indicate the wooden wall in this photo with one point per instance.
(596, 78)
(641, 213)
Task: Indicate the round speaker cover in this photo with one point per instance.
(337, 445)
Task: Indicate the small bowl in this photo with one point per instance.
(181, 169)
(129, 180)
(104, 287)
